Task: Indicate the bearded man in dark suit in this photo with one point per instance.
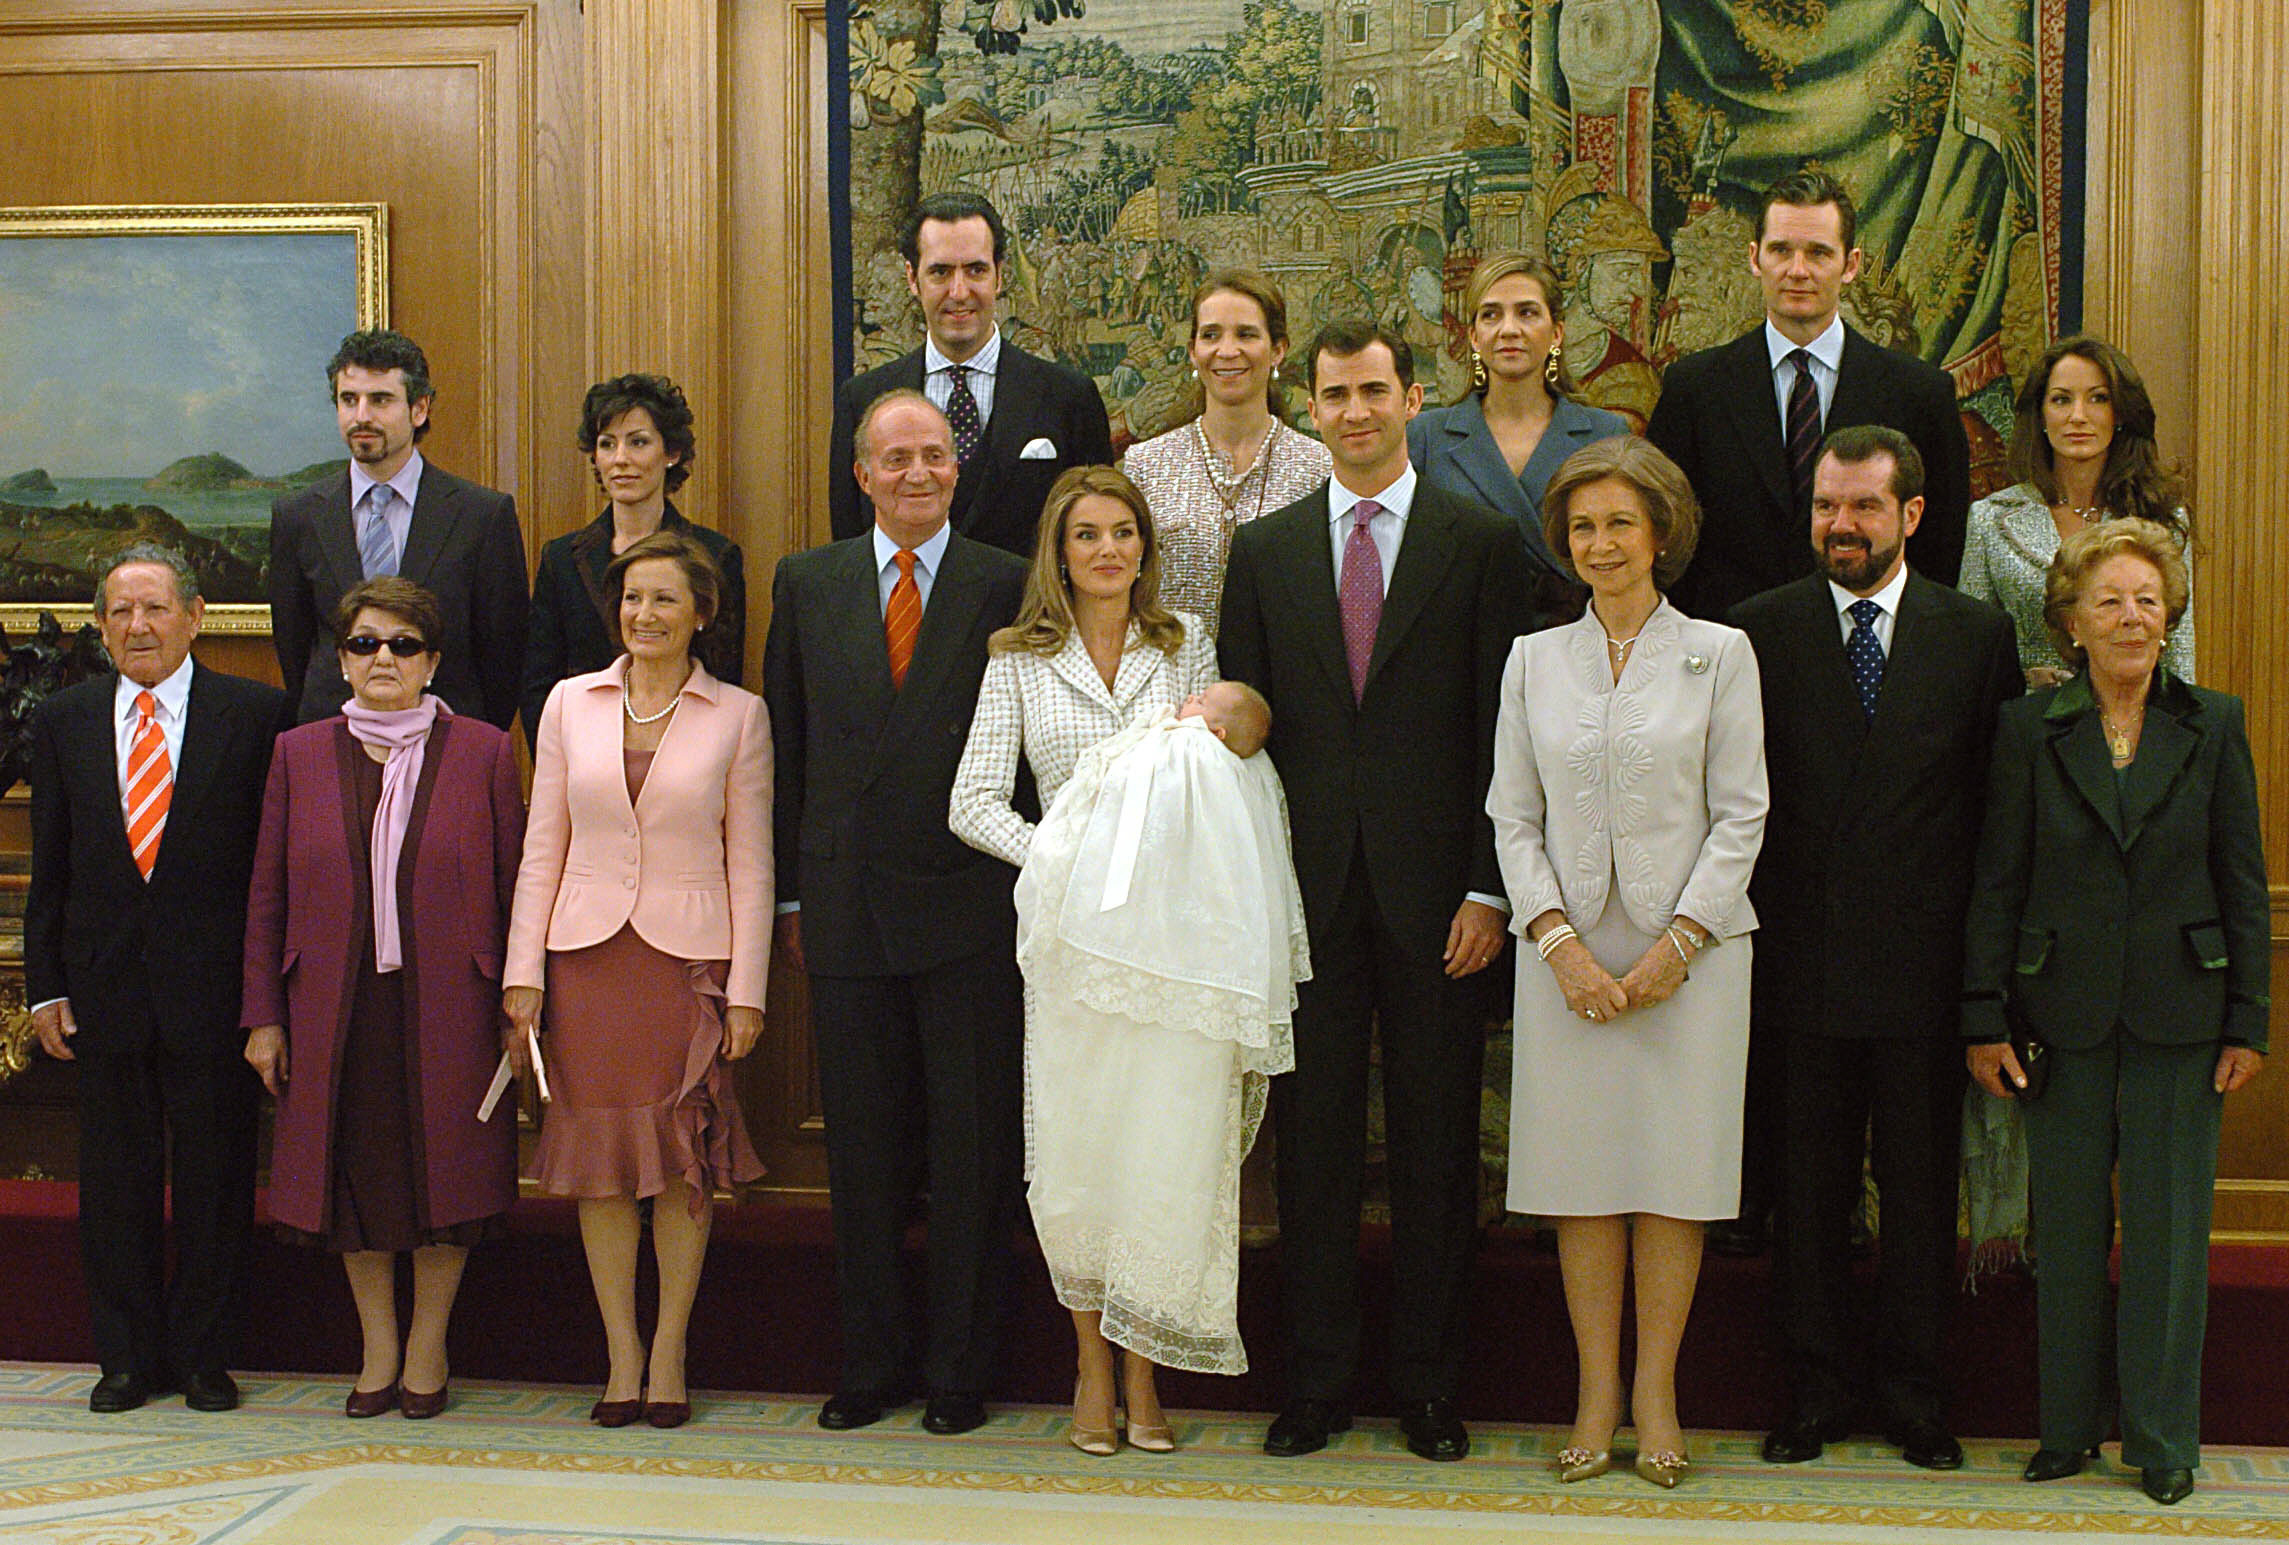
(391, 512)
(1881, 690)
(1018, 420)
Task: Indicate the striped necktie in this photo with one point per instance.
(377, 548)
(902, 618)
(150, 784)
(1803, 428)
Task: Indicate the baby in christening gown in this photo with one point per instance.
(1161, 933)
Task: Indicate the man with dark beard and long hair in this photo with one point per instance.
(1880, 694)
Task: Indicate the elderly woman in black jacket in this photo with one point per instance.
(2119, 937)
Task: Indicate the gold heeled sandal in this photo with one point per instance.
(1664, 1468)
(1576, 1463)
(1102, 1442)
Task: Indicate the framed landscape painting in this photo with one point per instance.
(166, 383)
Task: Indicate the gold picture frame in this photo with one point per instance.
(126, 341)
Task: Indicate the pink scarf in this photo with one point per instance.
(405, 731)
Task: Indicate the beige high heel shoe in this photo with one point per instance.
(1153, 1438)
(1102, 1442)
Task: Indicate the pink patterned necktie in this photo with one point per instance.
(1361, 594)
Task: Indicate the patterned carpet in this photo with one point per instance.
(521, 1465)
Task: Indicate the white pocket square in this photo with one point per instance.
(1039, 448)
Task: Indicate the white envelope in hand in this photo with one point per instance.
(1039, 448)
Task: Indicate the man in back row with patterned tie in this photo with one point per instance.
(391, 512)
(146, 796)
(1018, 420)
(1744, 422)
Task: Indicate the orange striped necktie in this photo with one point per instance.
(150, 784)
(902, 619)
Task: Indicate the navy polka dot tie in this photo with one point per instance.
(1865, 654)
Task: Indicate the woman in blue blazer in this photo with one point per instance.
(1519, 422)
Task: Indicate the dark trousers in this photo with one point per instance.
(920, 1080)
(1900, 1103)
(2150, 1115)
(158, 1102)
(1764, 1125)
(1434, 1041)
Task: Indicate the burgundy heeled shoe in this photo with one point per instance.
(667, 1413)
(616, 1413)
(363, 1403)
(417, 1407)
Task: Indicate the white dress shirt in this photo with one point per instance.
(1887, 598)
(1386, 530)
(1827, 352)
(174, 699)
(927, 557)
(983, 366)
(406, 484)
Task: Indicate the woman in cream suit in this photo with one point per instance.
(1092, 648)
(1628, 805)
(644, 904)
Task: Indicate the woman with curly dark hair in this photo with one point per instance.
(636, 431)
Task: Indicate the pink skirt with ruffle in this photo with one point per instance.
(641, 1093)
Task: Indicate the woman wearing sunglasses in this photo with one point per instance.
(375, 931)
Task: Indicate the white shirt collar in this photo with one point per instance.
(929, 554)
(1398, 498)
(987, 361)
(173, 694)
(1827, 349)
(407, 482)
(1888, 598)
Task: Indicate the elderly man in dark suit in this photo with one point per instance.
(909, 935)
(1376, 614)
(1018, 420)
(1744, 422)
(1880, 695)
(391, 512)
(146, 798)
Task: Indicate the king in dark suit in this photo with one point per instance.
(1881, 690)
(1383, 696)
(1744, 422)
(909, 935)
(391, 512)
(146, 799)
(1018, 420)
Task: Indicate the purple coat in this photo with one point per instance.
(308, 916)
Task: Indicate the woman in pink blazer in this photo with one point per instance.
(643, 907)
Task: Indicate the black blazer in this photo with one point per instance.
(1000, 495)
(1404, 770)
(574, 626)
(2143, 905)
(124, 949)
(866, 770)
(1453, 448)
(464, 547)
(1866, 868)
(1719, 421)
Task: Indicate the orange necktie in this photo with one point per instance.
(902, 619)
(150, 784)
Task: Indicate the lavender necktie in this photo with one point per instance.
(377, 546)
(1361, 594)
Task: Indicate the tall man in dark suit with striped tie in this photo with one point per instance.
(1744, 422)
(146, 797)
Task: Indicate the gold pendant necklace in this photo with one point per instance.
(2117, 739)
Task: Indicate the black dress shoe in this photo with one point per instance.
(215, 1391)
(1304, 1428)
(946, 1415)
(116, 1392)
(1739, 1237)
(858, 1408)
(1803, 1435)
(1433, 1430)
(2056, 1464)
(1925, 1444)
(2173, 1483)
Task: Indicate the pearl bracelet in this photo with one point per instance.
(1555, 937)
